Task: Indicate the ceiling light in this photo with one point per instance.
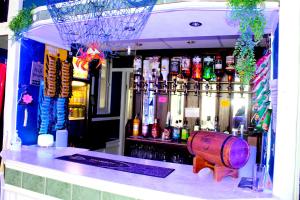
(190, 42)
(195, 24)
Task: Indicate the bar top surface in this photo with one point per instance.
(180, 184)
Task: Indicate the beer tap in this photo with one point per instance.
(206, 88)
(185, 88)
(145, 86)
(137, 84)
(165, 87)
(197, 88)
(174, 85)
(242, 90)
(155, 85)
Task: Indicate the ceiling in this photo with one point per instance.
(168, 26)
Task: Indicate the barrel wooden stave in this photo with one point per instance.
(219, 148)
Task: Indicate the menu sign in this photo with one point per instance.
(37, 70)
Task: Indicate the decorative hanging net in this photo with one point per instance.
(107, 24)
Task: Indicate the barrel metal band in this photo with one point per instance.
(192, 143)
(222, 150)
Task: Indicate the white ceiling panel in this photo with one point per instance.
(168, 26)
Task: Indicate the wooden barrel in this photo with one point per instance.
(219, 148)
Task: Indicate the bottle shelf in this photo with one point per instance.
(157, 141)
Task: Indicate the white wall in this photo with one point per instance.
(286, 172)
(12, 75)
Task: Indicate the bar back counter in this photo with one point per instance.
(36, 173)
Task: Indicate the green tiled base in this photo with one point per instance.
(58, 189)
(110, 196)
(79, 193)
(55, 188)
(33, 183)
(13, 177)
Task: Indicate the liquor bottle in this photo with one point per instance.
(208, 68)
(145, 130)
(165, 68)
(137, 70)
(185, 131)
(197, 68)
(166, 134)
(137, 66)
(176, 132)
(175, 66)
(229, 69)
(197, 125)
(219, 71)
(186, 67)
(155, 132)
(136, 126)
(147, 70)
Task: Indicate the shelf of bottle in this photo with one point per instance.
(156, 141)
(77, 105)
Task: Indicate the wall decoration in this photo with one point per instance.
(103, 22)
(37, 73)
(31, 51)
(58, 75)
(249, 15)
(261, 93)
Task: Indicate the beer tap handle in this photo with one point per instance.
(242, 90)
(197, 88)
(206, 88)
(174, 85)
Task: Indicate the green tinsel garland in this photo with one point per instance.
(21, 23)
(252, 23)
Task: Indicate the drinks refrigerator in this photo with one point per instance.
(79, 104)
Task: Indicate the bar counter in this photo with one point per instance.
(35, 173)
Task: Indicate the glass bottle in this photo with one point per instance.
(176, 132)
(197, 125)
(145, 130)
(137, 66)
(197, 68)
(136, 126)
(165, 68)
(185, 131)
(166, 134)
(186, 67)
(208, 68)
(155, 132)
(175, 66)
(219, 71)
(229, 69)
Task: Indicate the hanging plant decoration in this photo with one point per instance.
(249, 14)
(21, 23)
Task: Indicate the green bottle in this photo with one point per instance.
(185, 132)
(208, 68)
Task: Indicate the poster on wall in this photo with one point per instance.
(37, 73)
(80, 69)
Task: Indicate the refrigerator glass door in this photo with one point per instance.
(78, 101)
